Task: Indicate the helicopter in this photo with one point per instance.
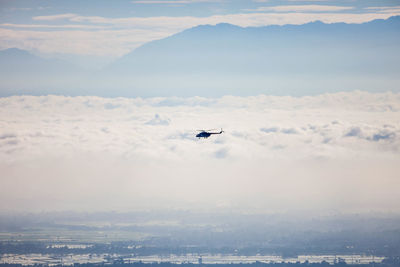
(207, 133)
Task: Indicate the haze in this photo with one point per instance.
(307, 93)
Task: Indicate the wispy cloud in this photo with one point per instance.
(54, 17)
(309, 1)
(52, 26)
(302, 8)
(384, 9)
(168, 2)
(268, 1)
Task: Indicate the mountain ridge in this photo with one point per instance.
(223, 36)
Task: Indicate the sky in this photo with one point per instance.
(332, 152)
(329, 151)
(109, 29)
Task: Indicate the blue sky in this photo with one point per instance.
(114, 28)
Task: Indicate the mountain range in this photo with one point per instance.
(224, 59)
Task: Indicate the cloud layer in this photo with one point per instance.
(336, 151)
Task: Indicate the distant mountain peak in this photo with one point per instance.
(12, 49)
(394, 18)
(317, 22)
(222, 26)
(227, 25)
(15, 51)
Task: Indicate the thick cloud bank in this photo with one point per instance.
(333, 151)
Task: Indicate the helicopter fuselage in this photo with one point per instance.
(205, 134)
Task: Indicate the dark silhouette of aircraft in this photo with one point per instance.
(207, 133)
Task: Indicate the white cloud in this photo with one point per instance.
(54, 17)
(99, 43)
(308, 152)
(303, 8)
(384, 9)
(157, 120)
(171, 1)
(49, 26)
(309, 1)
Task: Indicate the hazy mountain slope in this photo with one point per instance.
(16, 60)
(310, 48)
(22, 72)
(291, 59)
